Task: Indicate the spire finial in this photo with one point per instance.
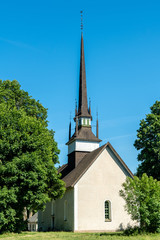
(81, 20)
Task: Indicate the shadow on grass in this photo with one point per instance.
(111, 234)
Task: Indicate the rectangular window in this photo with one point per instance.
(83, 121)
(65, 210)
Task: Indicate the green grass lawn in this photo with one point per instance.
(75, 236)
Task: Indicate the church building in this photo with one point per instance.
(93, 176)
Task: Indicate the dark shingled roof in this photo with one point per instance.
(62, 168)
(72, 177)
(84, 133)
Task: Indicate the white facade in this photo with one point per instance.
(82, 146)
(101, 182)
(82, 207)
(63, 216)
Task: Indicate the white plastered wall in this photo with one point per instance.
(56, 209)
(44, 218)
(79, 145)
(101, 182)
(67, 223)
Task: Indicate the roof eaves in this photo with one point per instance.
(62, 167)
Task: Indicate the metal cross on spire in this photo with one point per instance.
(81, 20)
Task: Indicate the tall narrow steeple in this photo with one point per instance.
(83, 104)
(83, 140)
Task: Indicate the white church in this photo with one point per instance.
(93, 176)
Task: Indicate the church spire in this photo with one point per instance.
(83, 104)
(83, 140)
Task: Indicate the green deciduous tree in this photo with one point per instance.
(28, 154)
(148, 141)
(142, 198)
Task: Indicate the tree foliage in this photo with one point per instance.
(28, 154)
(148, 141)
(142, 197)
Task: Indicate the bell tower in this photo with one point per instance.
(83, 140)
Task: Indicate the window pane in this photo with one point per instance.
(107, 207)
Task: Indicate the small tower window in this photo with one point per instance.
(87, 122)
(107, 209)
(83, 121)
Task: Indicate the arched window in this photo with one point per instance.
(107, 210)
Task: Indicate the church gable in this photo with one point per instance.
(99, 205)
(75, 175)
(72, 177)
(106, 166)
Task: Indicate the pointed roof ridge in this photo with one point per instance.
(83, 103)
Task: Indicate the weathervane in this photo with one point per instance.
(81, 20)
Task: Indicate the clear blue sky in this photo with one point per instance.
(40, 47)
